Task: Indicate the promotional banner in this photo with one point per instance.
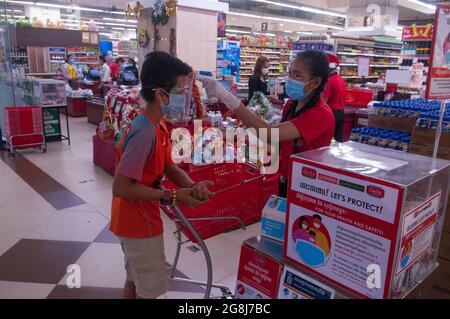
(258, 275)
(343, 226)
(417, 232)
(231, 58)
(415, 32)
(438, 81)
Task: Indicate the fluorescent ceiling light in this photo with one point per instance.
(41, 4)
(115, 28)
(120, 20)
(426, 5)
(302, 8)
(286, 20)
(267, 34)
(304, 32)
(238, 31)
(302, 22)
(244, 14)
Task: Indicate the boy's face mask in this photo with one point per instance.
(177, 101)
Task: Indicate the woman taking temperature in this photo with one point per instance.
(307, 122)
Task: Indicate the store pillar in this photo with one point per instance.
(190, 32)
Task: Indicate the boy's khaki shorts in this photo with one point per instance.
(145, 263)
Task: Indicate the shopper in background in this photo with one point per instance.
(144, 157)
(258, 81)
(307, 123)
(68, 69)
(130, 73)
(334, 95)
(105, 70)
(114, 68)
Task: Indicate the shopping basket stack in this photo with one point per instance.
(24, 128)
(238, 196)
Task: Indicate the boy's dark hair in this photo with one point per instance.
(318, 67)
(160, 70)
(102, 58)
(317, 216)
(67, 59)
(312, 233)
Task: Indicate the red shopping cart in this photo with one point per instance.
(239, 196)
(24, 128)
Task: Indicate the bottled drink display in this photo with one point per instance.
(382, 138)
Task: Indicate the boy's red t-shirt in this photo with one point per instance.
(316, 127)
(143, 153)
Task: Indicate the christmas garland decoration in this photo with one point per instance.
(143, 38)
(159, 16)
(172, 43)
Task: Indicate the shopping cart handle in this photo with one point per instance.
(217, 218)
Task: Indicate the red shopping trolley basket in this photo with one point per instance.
(23, 127)
(238, 189)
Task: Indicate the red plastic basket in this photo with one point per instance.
(358, 97)
(23, 120)
(23, 127)
(238, 191)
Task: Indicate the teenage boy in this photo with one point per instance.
(144, 156)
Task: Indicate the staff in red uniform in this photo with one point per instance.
(334, 96)
(307, 122)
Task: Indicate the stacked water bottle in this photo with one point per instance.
(430, 119)
(382, 138)
(404, 108)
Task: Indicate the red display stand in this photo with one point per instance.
(104, 154)
(76, 107)
(94, 110)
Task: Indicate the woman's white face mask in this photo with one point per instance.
(265, 71)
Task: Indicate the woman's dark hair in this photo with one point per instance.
(318, 66)
(68, 58)
(102, 58)
(160, 70)
(302, 219)
(259, 65)
(130, 60)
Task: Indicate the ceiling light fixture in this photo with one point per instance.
(238, 31)
(41, 4)
(120, 20)
(303, 8)
(286, 20)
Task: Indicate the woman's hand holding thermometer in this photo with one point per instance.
(215, 90)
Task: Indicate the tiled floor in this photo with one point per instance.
(40, 236)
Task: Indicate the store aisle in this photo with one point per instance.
(55, 211)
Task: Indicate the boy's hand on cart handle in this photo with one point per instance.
(201, 191)
(215, 90)
(185, 197)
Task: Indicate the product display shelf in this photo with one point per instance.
(127, 49)
(82, 55)
(278, 57)
(383, 56)
(416, 50)
(19, 57)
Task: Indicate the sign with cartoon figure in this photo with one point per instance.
(343, 226)
(438, 81)
(311, 239)
(231, 58)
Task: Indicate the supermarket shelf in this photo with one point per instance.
(260, 46)
(18, 56)
(416, 57)
(359, 77)
(368, 54)
(369, 46)
(265, 52)
(372, 65)
(421, 40)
